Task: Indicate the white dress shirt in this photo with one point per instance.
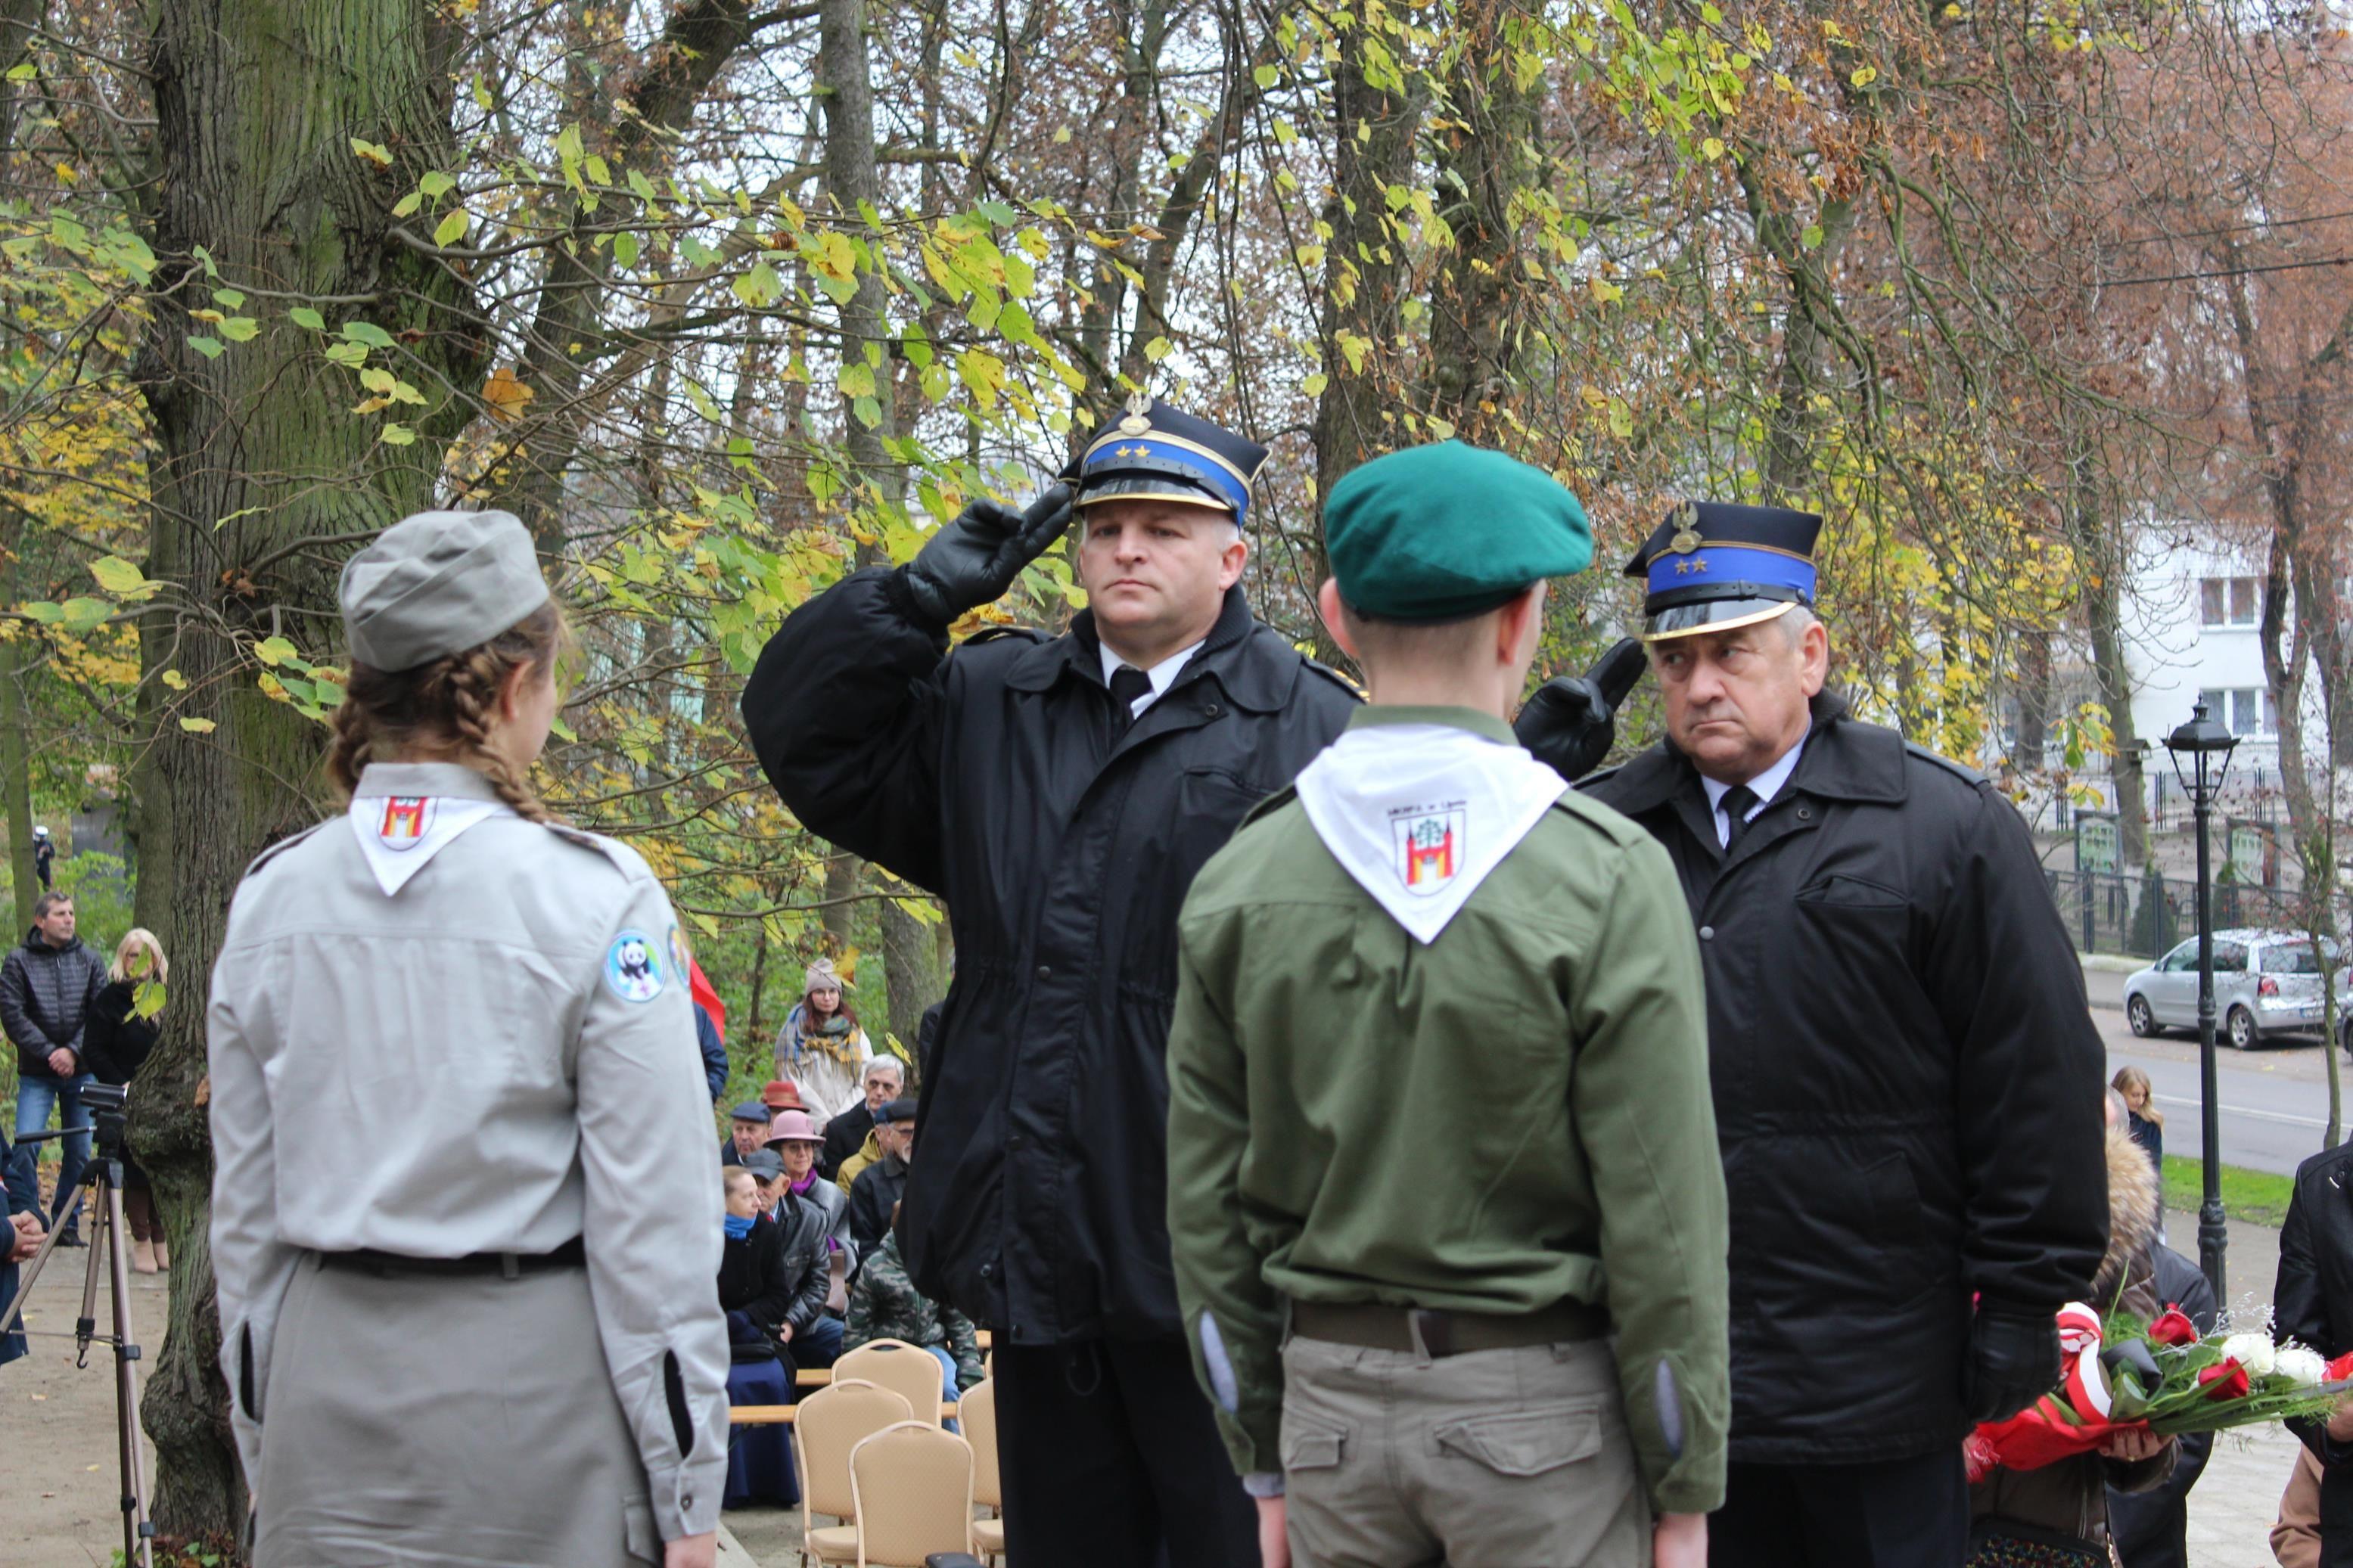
(1162, 675)
(1764, 787)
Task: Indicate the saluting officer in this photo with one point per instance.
(1439, 1097)
(1908, 1083)
(1059, 793)
(493, 1338)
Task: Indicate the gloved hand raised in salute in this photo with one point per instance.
(1571, 721)
(972, 561)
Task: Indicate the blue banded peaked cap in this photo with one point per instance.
(1714, 565)
(1152, 451)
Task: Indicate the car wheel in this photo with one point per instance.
(2241, 1028)
(2143, 1022)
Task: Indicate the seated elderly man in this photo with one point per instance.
(748, 1131)
(880, 1186)
(848, 1134)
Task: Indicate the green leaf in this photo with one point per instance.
(1265, 76)
(760, 288)
(209, 347)
(1812, 238)
(273, 651)
(228, 298)
(117, 575)
(349, 355)
(83, 614)
(1158, 349)
(643, 187)
(598, 169)
(49, 615)
(303, 316)
(408, 204)
(23, 71)
(625, 250)
(483, 95)
(435, 185)
(377, 379)
(450, 229)
(199, 726)
(239, 329)
(367, 332)
(398, 435)
(568, 144)
(868, 412)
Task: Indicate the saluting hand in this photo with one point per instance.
(1571, 721)
(975, 559)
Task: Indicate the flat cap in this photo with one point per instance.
(1446, 530)
(752, 1110)
(436, 584)
(899, 1110)
(765, 1163)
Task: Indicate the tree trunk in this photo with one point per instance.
(2100, 556)
(911, 973)
(16, 780)
(1485, 157)
(2033, 699)
(256, 108)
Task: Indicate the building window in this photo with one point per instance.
(2228, 602)
(2247, 711)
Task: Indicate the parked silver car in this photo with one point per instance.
(2265, 983)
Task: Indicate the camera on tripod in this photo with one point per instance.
(108, 1104)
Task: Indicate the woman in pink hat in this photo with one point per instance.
(796, 1138)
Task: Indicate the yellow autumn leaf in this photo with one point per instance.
(197, 726)
(505, 395)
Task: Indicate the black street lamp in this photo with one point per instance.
(2208, 745)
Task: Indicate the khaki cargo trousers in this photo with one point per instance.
(1498, 1459)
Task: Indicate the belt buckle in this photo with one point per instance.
(1434, 1330)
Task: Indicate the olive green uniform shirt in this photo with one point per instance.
(1515, 1113)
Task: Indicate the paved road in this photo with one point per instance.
(2274, 1098)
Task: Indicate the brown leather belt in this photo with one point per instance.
(1370, 1326)
(572, 1254)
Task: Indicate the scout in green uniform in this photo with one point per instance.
(1448, 1215)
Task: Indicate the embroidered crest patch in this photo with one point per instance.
(633, 968)
(406, 820)
(678, 958)
(1431, 845)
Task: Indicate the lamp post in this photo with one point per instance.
(2206, 745)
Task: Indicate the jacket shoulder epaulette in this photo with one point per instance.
(1600, 776)
(283, 845)
(997, 634)
(1966, 774)
(1270, 805)
(624, 859)
(1333, 675)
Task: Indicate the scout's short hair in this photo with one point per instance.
(1380, 638)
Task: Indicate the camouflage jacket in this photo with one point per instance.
(885, 1305)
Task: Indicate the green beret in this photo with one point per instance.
(1439, 533)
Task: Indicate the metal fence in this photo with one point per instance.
(2143, 916)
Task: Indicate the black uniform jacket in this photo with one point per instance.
(2312, 1302)
(1908, 1083)
(1036, 1202)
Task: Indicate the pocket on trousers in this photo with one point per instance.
(639, 1537)
(1525, 1442)
(1312, 1447)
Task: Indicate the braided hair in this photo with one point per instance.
(445, 704)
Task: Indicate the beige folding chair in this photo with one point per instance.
(977, 1413)
(830, 1423)
(894, 1363)
(912, 1485)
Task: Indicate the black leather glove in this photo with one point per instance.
(2013, 1361)
(1572, 721)
(975, 559)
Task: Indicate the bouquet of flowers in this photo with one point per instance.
(2160, 1376)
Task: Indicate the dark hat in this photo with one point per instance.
(1446, 530)
(899, 1110)
(752, 1110)
(1155, 452)
(1712, 566)
(765, 1163)
(438, 582)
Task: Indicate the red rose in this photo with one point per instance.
(2173, 1329)
(2341, 1368)
(2224, 1380)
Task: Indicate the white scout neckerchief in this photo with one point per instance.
(399, 833)
(1419, 814)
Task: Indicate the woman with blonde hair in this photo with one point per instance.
(2144, 1120)
(494, 1338)
(117, 1036)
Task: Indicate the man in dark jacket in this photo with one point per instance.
(1906, 1080)
(881, 1080)
(1060, 794)
(876, 1193)
(2312, 1303)
(46, 989)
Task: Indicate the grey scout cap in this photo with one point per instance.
(436, 583)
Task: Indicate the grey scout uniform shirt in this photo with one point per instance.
(514, 1098)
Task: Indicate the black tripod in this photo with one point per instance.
(104, 1177)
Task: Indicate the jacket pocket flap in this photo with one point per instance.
(1526, 1442)
(1839, 890)
(1312, 1447)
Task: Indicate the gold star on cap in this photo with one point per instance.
(1696, 566)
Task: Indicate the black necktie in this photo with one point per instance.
(1738, 802)
(1127, 684)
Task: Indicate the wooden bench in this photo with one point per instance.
(782, 1414)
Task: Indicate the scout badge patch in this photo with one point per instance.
(633, 968)
(400, 833)
(1419, 813)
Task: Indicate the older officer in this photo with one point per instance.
(494, 1338)
(1908, 1083)
(1059, 793)
(1438, 1085)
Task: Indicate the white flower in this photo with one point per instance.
(2305, 1368)
(2252, 1351)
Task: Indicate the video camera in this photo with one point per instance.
(108, 1105)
